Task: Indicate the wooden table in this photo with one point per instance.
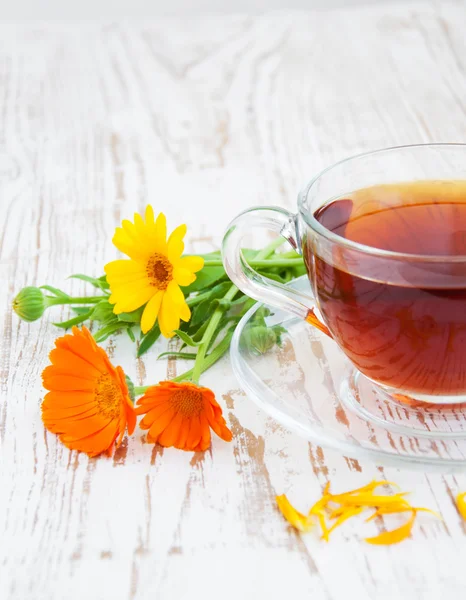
(202, 118)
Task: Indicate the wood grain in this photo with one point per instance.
(202, 118)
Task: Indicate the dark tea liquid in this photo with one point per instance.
(409, 336)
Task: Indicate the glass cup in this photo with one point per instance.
(399, 317)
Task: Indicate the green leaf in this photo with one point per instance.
(279, 331)
(199, 315)
(75, 321)
(148, 340)
(131, 317)
(97, 283)
(80, 310)
(55, 291)
(103, 283)
(103, 333)
(219, 290)
(206, 279)
(185, 355)
(130, 333)
(103, 312)
(203, 311)
(199, 334)
(187, 339)
(228, 326)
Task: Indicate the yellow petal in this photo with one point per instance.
(134, 300)
(124, 267)
(175, 293)
(366, 499)
(366, 488)
(191, 263)
(161, 234)
(176, 296)
(294, 517)
(347, 514)
(389, 510)
(183, 276)
(175, 245)
(184, 312)
(130, 247)
(396, 535)
(151, 311)
(168, 317)
(150, 215)
(323, 525)
(129, 229)
(461, 504)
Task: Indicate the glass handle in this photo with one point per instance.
(252, 283)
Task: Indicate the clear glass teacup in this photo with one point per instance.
(383, 236)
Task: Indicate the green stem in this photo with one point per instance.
(140, 389)
(197, 299)
(210, 360)
(78, 300)
(260, 264)
(218, 313)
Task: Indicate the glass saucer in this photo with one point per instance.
(310, 387)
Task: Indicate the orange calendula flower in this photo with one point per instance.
(181, 415)
(88, 403)
(153, 274)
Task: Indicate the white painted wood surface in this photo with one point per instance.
(203, 119)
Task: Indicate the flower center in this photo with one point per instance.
(160, 271)
(187, 401)
(108, 397)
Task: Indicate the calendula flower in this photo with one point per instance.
(181, 415)
(88, 404)
(153, 274)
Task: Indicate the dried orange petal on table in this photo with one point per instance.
(341, 507)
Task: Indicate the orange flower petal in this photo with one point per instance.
(206, 437)
(55, 424)
(159, 425)
(94, 444)
(67, 399)
(218, 425)
(347, 514)
(69, 362)
(169, 435)
(183, 433)
(66, 383)
(73, 412)
(81, 343)
(396, 535)
(195, 434)
(293, 516)
(154, 414)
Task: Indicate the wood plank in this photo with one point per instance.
(202, 118)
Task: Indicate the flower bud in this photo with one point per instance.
(260, 338)
(30, 304)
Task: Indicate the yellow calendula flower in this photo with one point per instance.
(153, 274)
